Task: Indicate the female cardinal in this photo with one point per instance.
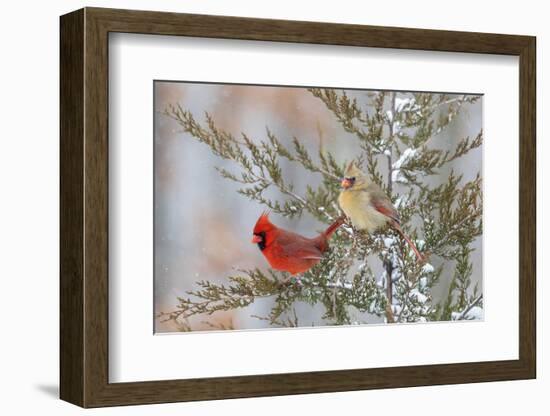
(288, 251)
(367, 206)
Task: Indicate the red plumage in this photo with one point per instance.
(288, 251)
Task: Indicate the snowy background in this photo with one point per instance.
(203, 227)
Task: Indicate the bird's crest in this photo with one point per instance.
(263, 223)
(353, 171)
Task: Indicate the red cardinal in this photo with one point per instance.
(288, 251)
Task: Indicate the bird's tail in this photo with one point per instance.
(334, 226)
(419, 256)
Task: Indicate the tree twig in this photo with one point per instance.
(469, 307)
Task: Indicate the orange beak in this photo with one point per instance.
(346, 183)
(256, 239)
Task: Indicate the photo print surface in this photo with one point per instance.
(281, 207)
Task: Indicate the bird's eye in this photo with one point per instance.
(352, 179)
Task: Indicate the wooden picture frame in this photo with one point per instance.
(84, 207)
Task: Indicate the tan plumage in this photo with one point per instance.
(367, 206)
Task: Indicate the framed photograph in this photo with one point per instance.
(256, 207)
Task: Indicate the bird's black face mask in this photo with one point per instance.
(259, 238)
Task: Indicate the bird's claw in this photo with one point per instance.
(295, 281)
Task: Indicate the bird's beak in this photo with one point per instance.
(256, 239)
(346, 183)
